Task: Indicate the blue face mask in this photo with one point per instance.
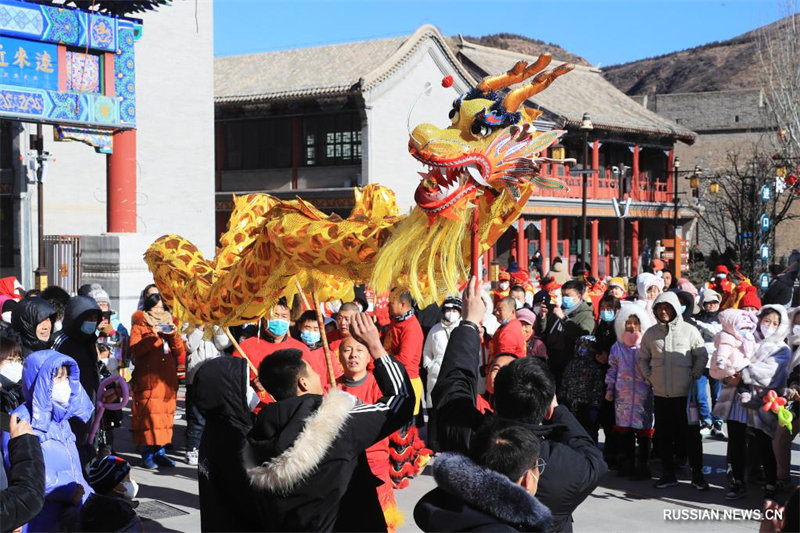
(277, 326)
(567, 302)
(683, 309)
(310, 338)
(88, 327)
(608, 315)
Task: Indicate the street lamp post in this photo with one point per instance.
(586, 126)
(41, 270)
(676, 248)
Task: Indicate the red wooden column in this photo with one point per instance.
(543, 244)
(553, 239)
(522, 245)
(595, 166)
(121, 184)
(634, 248)
(669, 176)
(635, 194)
(595, 260)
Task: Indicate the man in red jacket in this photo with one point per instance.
(508, 338)
(274, 336)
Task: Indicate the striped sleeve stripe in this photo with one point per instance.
(394, 401)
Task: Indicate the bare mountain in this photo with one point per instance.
(524, 45)
(716, 66)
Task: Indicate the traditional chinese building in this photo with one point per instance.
(319, 121)
(124, 106)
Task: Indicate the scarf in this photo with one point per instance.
(404, 317)
(154, 317)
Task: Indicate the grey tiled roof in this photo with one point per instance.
(317, 71)
(582, 90)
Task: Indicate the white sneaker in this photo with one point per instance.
(191, 457)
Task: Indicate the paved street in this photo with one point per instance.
(169, 500)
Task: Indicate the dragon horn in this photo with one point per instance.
(518, 73)
(515, 98)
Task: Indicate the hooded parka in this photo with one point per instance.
(26, 316)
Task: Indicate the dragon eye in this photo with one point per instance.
(454, 115)
(480, 130)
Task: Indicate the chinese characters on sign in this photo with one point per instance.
(28, 64)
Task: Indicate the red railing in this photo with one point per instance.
(603, 186)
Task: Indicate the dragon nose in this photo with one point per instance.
(423, 134)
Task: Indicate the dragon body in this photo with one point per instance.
(485, 160)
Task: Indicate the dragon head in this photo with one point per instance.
(490, 144)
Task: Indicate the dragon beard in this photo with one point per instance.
(439, 248)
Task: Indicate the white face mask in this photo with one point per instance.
(796, 329)
(451, 316)
(537, 309)
(61, 392)
(131, 489)
(112, 364)
(6, 317)
(519, 304)
(503, 285)
(767, 331)
(12, 371)
(252, 398)
(57, 325)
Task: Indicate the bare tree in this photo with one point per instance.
(732, 218)
(778, 53)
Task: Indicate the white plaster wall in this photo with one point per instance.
(387, 159)
(175, 157)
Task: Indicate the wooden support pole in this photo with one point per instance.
(325, 347)
(476, 245)
(241, 352)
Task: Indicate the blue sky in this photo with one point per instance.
(605, 32)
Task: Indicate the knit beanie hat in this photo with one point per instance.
(99, 295)
(105, 473)
(750, 299)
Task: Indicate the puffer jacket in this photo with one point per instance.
(732, 350)
(155, 383)
(672, 355)
(433, 353)
(633, 395)
(26, 316)
(768, 370)
(199, 350)
(50, 422)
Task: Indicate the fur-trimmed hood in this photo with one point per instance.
(490, 496)
(625, 311)
(292, 437)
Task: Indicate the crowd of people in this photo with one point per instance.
(302, 421)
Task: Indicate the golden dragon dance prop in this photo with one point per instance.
(485, 160)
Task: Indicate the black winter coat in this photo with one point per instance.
(226, 499)
(313, 473)
(80, 346)
(472, 498)
(574, 464)
(26, 316)
(22, 495)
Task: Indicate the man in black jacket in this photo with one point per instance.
(77, 339)
(22, 493)
(525, 392)
(312, 472)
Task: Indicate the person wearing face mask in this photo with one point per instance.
(605, 336)
(630, 393)
(721, 284)
(503, 287)
(10, 375)
(672, 356)
(564, 326)
(32, 319)
(309, 334)
(741, 398)
(273, 336)
(156, 347)
(648, 287)
(58, 298)
(7, 305)
(782, 443)
(111, 507)
(53, 395)
(432, 354)
(518, 293)
(707, 323)
(198, 351)
(224, 397)
(77, 339)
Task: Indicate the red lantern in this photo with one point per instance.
(447, 81)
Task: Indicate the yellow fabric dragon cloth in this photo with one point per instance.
(487, 159)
